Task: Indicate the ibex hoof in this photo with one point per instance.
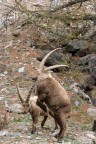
(42, 125)
(56, 136)
(32, 132)
(60, 140)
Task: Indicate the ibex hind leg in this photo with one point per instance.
(94, 126)
(43, 121)
(41, 105)
(62, 123)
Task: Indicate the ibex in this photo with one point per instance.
(49, 91)
(30, 106)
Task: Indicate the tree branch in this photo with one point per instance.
(69, 4)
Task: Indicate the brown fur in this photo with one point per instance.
(56, 98)
(35, 111)
(53, 94)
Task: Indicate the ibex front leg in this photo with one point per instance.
(35, 120)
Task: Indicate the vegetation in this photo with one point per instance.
(66, 21)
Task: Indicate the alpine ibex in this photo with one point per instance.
(49, 91)
(30, 106)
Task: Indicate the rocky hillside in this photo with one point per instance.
(19, 59)
(22, 46)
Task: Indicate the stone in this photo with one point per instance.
(38, 138)
(30, 44)
(91, 135)
(21, 70)
(4, 132)
(92, 112)
(77, 103)
(90, 32)
(16, 33)
(54, 59)
(89, 62)
(16, 107)
(77, 47)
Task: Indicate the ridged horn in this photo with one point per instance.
(55, 66)
(18, 91)
(45, 58)
(29, 94)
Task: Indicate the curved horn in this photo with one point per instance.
(18, 91)
(45, 58)
(55, 66)
(29, 94)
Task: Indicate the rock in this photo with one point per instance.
(92, 112)
(40, 132)
(82, 52)
(10, 44)
(70, 49)
(3, 116)
(90, 32)
(38, 138)
(30, 43)
(90, 135)
(92, 66)
(15, 135)
(16, 107)
(77, 47)
(2, 75)
(84, 139)
(77, 103)
(1, 98)
(85, 60)
(4, 132)
(55, 58)
(93, 101)
(21, 70)
(75, 87)
(54, 139)
(16, 33)
(90, 62)
(61, 142)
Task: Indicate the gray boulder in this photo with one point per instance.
(77, 47)
(92, 66)
(54, 59)
(90, 62)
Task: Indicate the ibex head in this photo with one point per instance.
(25, 103)
(44, 73)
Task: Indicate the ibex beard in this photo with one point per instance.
(49, 91)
